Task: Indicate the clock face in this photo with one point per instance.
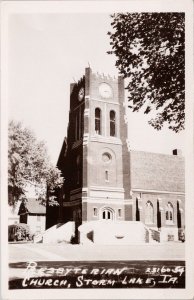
(105, 90)
(81, 94)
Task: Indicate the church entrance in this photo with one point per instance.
(107, 214)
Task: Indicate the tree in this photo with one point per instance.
(149, 50)
(29, 166)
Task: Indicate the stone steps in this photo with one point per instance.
(104, 232)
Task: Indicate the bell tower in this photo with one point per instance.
(97, 179)
(106, 180)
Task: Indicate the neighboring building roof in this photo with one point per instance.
(32, 206)
(154, 171)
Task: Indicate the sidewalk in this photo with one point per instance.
(65, 252)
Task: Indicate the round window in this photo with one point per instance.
(106, 157)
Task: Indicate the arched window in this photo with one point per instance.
(169, 213)
(112, 123)
(107, 214)
(149, 213)
(97, 121)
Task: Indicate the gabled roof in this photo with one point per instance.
(155, 171)
(32, 206)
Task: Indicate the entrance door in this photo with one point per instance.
(107, 214)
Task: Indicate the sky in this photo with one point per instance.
(47, 52)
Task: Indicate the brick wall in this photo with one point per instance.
(159, 202)
(125, 151)
(97, 167)
(99, 206)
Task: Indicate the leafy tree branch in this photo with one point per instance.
(29, 166)
(150, 53)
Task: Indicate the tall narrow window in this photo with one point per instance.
(169, 213)
(78, 169)
(95, 212)
(112, 123)
(97, 121)
(77, 126)
(149, 213)
(106, 175)
(82, 123)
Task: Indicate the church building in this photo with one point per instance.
(104, 178)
